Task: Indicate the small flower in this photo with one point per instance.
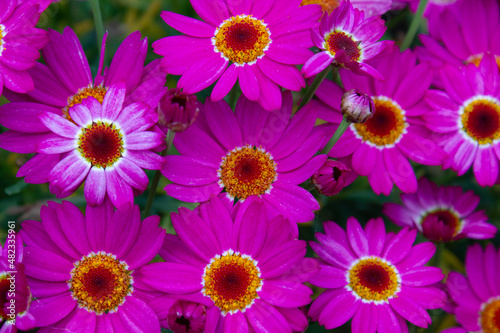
(15, 295)
(177, 110)
(478, 295)
(332, 177)
(441, 213)
(20, 43)
(377, 280)
(250, 267)
(82, 270)
(356, 106)
(346, 39)
(186, 316)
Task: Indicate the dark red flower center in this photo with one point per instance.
(101, 144)
(247, 171)
(373, 279)
(100, 283)
(242, 39)
(4, 289)
(339, 40)
(481, 120)
(184, 322)
(232, 281)
(386, 126)
(490, 317)
(441, 225)
(336, 173)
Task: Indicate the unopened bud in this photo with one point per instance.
(356, 106)
(332, 177)
(177, 110)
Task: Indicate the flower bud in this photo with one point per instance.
(177, 110)
(356, 106)
(332, 177)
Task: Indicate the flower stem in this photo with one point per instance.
(156, 178)
(336, 136)
(99, 28)
(415, 24)
(314, 86)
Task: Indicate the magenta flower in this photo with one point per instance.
(477, 296)
(250, 152)
(20, 43)
(378, 280)
(82, 270)
(248, 270)
(348, 40)
(466, 118)
(441, 213)
(260, 41)
(177, 110)
(67, 81)
(185, 317)
(380, 148)
(332, 177)
(15, 295)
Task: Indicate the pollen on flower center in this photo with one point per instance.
(490, 317)
(242, 39)
(90, 91)
(480, 119)
(101, 144)
(2, 35)
(247, 171)
(100, 283)
(339, 40)
(4, 289)
(326, 5)
(386, 126)
(476, 59)
(374, 280)
(232, 281)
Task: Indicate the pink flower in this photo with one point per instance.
(332, 177)
(441, 213)
(378, 280)
(346, 39)
(177, 110)
(261, 41)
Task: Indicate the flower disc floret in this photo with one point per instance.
(101, 144)
(339, 40)
(387, 125)
(242, 39)
(247, 171)
(374, 279)
(490, 316)
(480, 119)
(100, 283)
(2, 35)
(97, 92)
(232, 281)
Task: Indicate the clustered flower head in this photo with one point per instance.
(251, 165)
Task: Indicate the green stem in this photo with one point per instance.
(156, 178)
(99, 27)
(314, 86)
(336, 136)
(415, 24)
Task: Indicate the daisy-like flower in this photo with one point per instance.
(20, 43)
(15, 295)
(467, 118)
(462, 33)
(103, 145)
(67, 81)
(261, 41)
(441, 213)
(477, 296)
(378, 280)
(82, 270)
(248, 269)
(380, 147)
(250, 152)
(370, 8)
(347, 39)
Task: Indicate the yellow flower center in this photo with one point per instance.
(326, 5)
(339, 40)
(2, 35)
(490, 317)
(480, 118)
(232, 281)
(100, 283)
(101, 144)
(247, 171)
(90, 91)
(374, 280)
(387, 125)
(476, 59)
(242, 39)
